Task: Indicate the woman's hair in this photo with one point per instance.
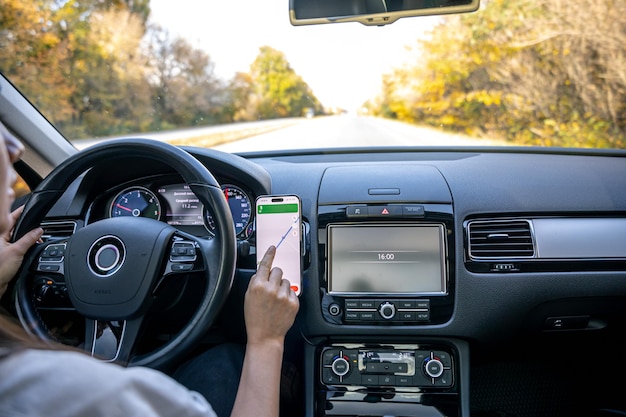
(14, 338)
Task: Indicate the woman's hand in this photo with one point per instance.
(12, 254)
(271, 305)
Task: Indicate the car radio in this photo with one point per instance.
(391, 271)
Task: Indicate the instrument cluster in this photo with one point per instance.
(177, 205)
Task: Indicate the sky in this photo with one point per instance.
(343, 63)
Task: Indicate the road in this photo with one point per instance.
(303, 133)
(348, 131)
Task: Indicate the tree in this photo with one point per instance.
(92, 43)
(185, 89)
(547, 72)
(279, 90)
(113, 97)
(30, 45)
(241, 103)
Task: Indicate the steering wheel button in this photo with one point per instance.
(51, 259)
(49, 267)
(181, 267)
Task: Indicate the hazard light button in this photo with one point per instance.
(385, 211)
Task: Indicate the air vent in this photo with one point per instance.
(500, 239)
(56, 230)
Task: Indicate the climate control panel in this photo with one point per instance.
(398, 366)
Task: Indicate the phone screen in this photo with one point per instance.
(278, 221)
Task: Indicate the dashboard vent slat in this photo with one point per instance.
(500, 239)
(56, 230)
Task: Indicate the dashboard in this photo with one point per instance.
(414, 260)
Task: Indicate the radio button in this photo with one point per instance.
(406, 315)
(368, 315)
(422, 316)
(352, 315)
(353, 304)
(368, 304)
(407, 304)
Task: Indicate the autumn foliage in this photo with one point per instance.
(97, 68)
(533, 72)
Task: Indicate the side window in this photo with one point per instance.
(20, 187)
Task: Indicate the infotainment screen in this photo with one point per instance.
(386, 259)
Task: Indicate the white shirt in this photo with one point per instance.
(42, 383)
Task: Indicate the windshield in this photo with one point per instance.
(236, 75)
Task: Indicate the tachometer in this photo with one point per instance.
(136, 202)
(240, 208)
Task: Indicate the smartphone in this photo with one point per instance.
(278, 223)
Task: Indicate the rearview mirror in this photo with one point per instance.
(371, 12)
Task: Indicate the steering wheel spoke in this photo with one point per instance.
(111, 341)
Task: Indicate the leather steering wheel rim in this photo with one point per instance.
(202, 183)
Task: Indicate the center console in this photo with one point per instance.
(373, 379)
(386, 260)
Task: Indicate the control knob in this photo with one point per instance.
(387, 310)
(340, 366)
(433, 367)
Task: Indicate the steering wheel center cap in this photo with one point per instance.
(106, 256)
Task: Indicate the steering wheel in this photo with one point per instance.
(113, 267)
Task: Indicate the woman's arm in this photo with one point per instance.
(270, 309)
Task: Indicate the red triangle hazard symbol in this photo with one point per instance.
(385, 211)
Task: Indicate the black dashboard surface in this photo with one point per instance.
(475, 184)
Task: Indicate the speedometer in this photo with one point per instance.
(240, 208)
